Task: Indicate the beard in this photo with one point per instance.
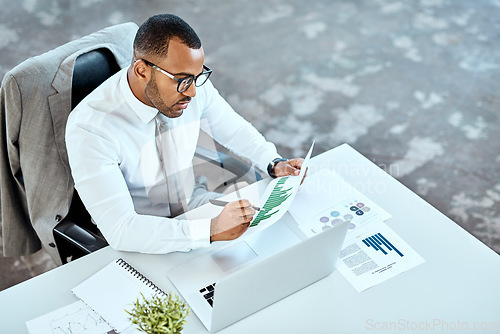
(153, 95)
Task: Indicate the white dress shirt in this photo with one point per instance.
(110, 138)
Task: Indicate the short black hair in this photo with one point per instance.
(153, 37)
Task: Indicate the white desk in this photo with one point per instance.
(457, 286)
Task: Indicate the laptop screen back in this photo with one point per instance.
(256, 286)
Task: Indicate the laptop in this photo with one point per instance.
(243, 277)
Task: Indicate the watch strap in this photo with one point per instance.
(270, 167)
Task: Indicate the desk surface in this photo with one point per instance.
(456, 288)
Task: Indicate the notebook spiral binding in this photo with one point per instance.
(121, 262)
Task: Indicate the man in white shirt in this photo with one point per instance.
(131, 143)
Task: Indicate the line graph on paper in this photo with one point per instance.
(80, 321)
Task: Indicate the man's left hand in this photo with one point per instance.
(290, 167)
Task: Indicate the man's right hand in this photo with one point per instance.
(232, 222)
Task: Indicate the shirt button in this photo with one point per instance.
(53, 245)
(58, 218)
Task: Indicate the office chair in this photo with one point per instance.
(76, 235)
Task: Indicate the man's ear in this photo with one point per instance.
(141, 70)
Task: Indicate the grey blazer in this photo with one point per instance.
(35, 101)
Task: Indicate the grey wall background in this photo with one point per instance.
(413, 85)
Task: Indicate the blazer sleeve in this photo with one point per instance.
(18, 235)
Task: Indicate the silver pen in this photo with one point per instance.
(223, 203)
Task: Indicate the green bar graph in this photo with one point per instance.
(277, 196)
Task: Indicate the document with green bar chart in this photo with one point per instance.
(277, 198)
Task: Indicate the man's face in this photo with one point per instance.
(161, 91)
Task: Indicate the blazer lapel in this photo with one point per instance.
(60, 104)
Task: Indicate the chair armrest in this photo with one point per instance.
(79, 237)
(242, 170)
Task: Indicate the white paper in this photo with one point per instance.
(76, 318)
(325, 200)
(375, 254)
(277, 198)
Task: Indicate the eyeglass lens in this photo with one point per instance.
(184, 84)
(202, 78)
(199, 80)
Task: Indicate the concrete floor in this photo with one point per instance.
(413, 85)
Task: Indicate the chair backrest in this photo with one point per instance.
(90, 70)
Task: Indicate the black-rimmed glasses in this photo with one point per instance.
(183, 84)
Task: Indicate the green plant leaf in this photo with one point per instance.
(159, 314)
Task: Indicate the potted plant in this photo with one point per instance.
(159, 314)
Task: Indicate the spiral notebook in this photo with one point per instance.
(114, 289)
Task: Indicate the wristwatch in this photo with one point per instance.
(270, 167)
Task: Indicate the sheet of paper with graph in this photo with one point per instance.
(74, 318)
(277, 198)
(372, 252)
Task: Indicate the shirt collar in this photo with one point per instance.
(145, 112)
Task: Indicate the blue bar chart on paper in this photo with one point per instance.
(375, 255)
(378, 242)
